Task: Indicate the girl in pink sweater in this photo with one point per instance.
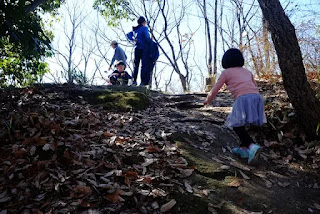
(248, 108)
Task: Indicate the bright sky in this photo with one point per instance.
(101, 52)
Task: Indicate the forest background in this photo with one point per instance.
(192, 37)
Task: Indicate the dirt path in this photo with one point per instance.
(269, 187)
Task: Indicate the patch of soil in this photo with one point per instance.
(286, 178)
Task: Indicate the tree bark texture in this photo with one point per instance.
(209, 37)
(215, 36)
(301, 95)
(266, 46)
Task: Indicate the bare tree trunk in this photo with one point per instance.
(209, 37)
(257, 55)
(172, 61)
(168, 81)
(266, 45)
(70, 55)
(70, 65)
(240, 27)
(210, 79)
(221, 31)
(215, 37)
(302, 97)
(253, 57)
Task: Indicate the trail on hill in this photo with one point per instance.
(62, 153)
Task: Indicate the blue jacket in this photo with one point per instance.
(141, 34)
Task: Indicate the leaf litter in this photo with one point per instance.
(67, 155)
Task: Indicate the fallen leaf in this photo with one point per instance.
(289, 135)
(166, 207)
(219, 205)
(121, 192)
(130, 174)
(159, 192)
(84, 204)
(185, 172)
(284, 184)
(225, 167)
(153, 149)
(316, 206)
(303, 155)
(145, 192)
(83, 190)
(188, 187)
(149, 161)
(108, 174)
(244, 175)
(155, 205)
(280, 136)
(94, 183)
(108, 134)
(75, 203)
(268, 183)
(5, 199)
(146, 179)
(46, 147)
(115, 197)
(212, 210)
(234, 183)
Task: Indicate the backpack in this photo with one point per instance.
(154, 51)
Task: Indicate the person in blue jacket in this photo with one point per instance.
(141, 36)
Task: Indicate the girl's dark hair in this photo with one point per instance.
(141, 19)
(232, 58)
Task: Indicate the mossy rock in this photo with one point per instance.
(118, 101)
(202, 163)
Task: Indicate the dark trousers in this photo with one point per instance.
(146, 66)
(244, 136)
(120, 80)
(137, 58)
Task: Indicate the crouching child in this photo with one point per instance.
(120, 76)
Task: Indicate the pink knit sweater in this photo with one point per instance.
(239, 81)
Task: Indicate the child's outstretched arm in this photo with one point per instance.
(214, 91)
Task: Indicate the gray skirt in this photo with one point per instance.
(247, 110)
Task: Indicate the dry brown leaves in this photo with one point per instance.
(283, 140)
(60, 155)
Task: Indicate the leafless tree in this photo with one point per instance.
(203, 8)
(310, 45)
(66, 54)
(168, 33)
